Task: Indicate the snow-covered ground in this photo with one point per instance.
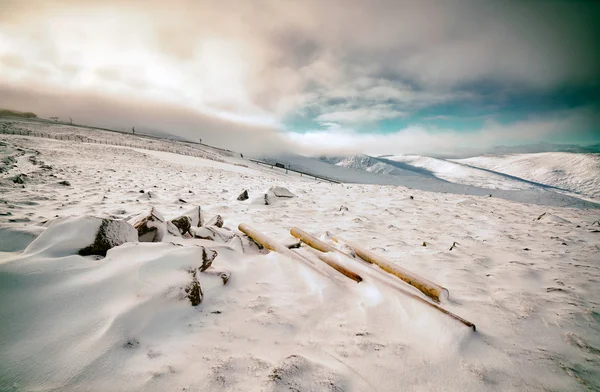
(569, 174)
(119, 323)
(577, 173)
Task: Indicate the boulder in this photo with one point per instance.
(208, 256)
(82, 235)
(216, 221)
(244, 244)
(111, 233)
(183, 224)
(212, 233)
(280, 191)
(196, 217)
(150, 225)
(243, 196)
(193, 291)
(272, 195)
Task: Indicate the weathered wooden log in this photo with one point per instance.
(325, 247)
(328, 259)
(426, 286)
(326, 256)
(426, 302)
(275, 246)
(311, 241)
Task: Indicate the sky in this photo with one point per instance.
(313, 77)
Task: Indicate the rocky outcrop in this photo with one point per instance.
(111, 233)
(150, 225)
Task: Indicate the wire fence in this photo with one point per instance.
(85, 139)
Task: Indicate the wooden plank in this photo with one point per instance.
(427, 287)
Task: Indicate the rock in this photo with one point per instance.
(244, 244)
(425, 244)
(212, 233)
(20, 178)
(272, 195)
(111, 233)
(183, 224)
(243, 196)
(224, 275)
(208, 256)
(82, 235)
(196, 216)
(280, 191)
(150, 225)
(172, 229)
(193, 291)
(142, 191)
(412, 198)
(547, 217)
(217, 220)
(343, 208)
(182, 201)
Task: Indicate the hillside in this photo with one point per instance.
(579, 173)
(14, 113)
(525, 274)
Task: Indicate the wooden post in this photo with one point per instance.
(426, 286)
(275, 246)
(328, 259)
(325, 247)
(311, 240)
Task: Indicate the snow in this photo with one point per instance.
(119, 323)
(569, 171)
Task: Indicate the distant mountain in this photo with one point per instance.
(545, 147)
(575, 172)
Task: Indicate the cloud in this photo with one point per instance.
(341, 64)
(147, 116)
(420, 139)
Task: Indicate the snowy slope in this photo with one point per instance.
(526, 274)
(578, 173)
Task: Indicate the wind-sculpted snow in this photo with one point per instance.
(526, 274)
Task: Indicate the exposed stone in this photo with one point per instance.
(217, 220)
(110, 234)
(150, 225)
(65, 183)
(183, 224)
(343, 208)
(193, 290)
(213, 233)
(243, 196)
(20, 178)
(208, 256)
(196, 216)
(280, 191)
(224, 275)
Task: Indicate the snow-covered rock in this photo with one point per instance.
(217, 221)
(547, 217)
(272, 195)
(212, 233)
(243, 196)
(150, 225)
(196, 216)
(82, 235)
